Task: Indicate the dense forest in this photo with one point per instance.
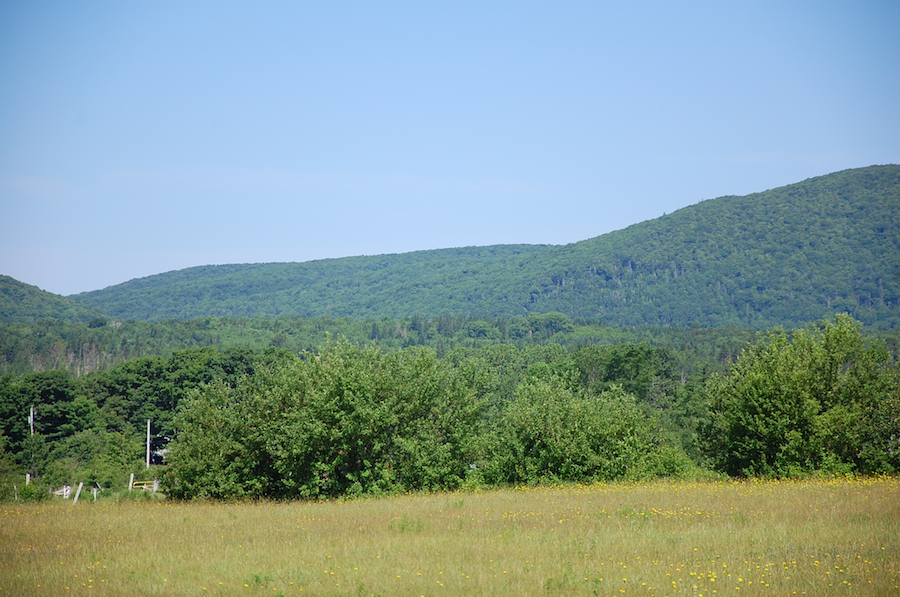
(652, 351)
(788, 256)
(349, 418)
(23, 303)
(82, 348)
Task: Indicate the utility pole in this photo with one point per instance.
(31, 424)
(148, 443)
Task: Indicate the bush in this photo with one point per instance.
(821, 400)
(553, 433)
(347, 421)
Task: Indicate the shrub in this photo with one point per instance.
(554, 433)
(820, 400)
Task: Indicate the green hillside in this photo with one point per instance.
(786, 256)
(23, 303)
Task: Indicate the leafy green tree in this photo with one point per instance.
(7, 466)
(51, 393)
(362, 421)
(346, 421)
(820, 399)
(13, 413)
(215, 454)
(95, 457)
(554, 433)
(644, 370)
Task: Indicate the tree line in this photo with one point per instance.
(101, 344)
(356, 418)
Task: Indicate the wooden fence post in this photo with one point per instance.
(77, 493)
(131, 482)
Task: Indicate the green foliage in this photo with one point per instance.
(359, 417)
(645, 371)
(788, 257)
(818, 400)
(23, 303)
(37, 491)
(8, 474)
(91, 428)
(652, 374)
(554, 433)
(215, 455)
(79, 349)
(347, 421)
(353, 420)
(100, 458)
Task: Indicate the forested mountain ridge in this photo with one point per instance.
(23, 303)
(359, 287)
(786, 257)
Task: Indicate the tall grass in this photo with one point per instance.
(813, 537)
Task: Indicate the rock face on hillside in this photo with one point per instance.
(787, 257)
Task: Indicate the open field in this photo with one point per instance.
(818, 537)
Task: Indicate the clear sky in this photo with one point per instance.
(142, 137)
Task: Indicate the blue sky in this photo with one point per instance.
(142, 137)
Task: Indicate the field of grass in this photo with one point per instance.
(814, 537)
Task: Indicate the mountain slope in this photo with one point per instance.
(783, 257)
(443, 281)
(23, 303)
(790, 255)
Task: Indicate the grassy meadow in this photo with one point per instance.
(813, 537)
